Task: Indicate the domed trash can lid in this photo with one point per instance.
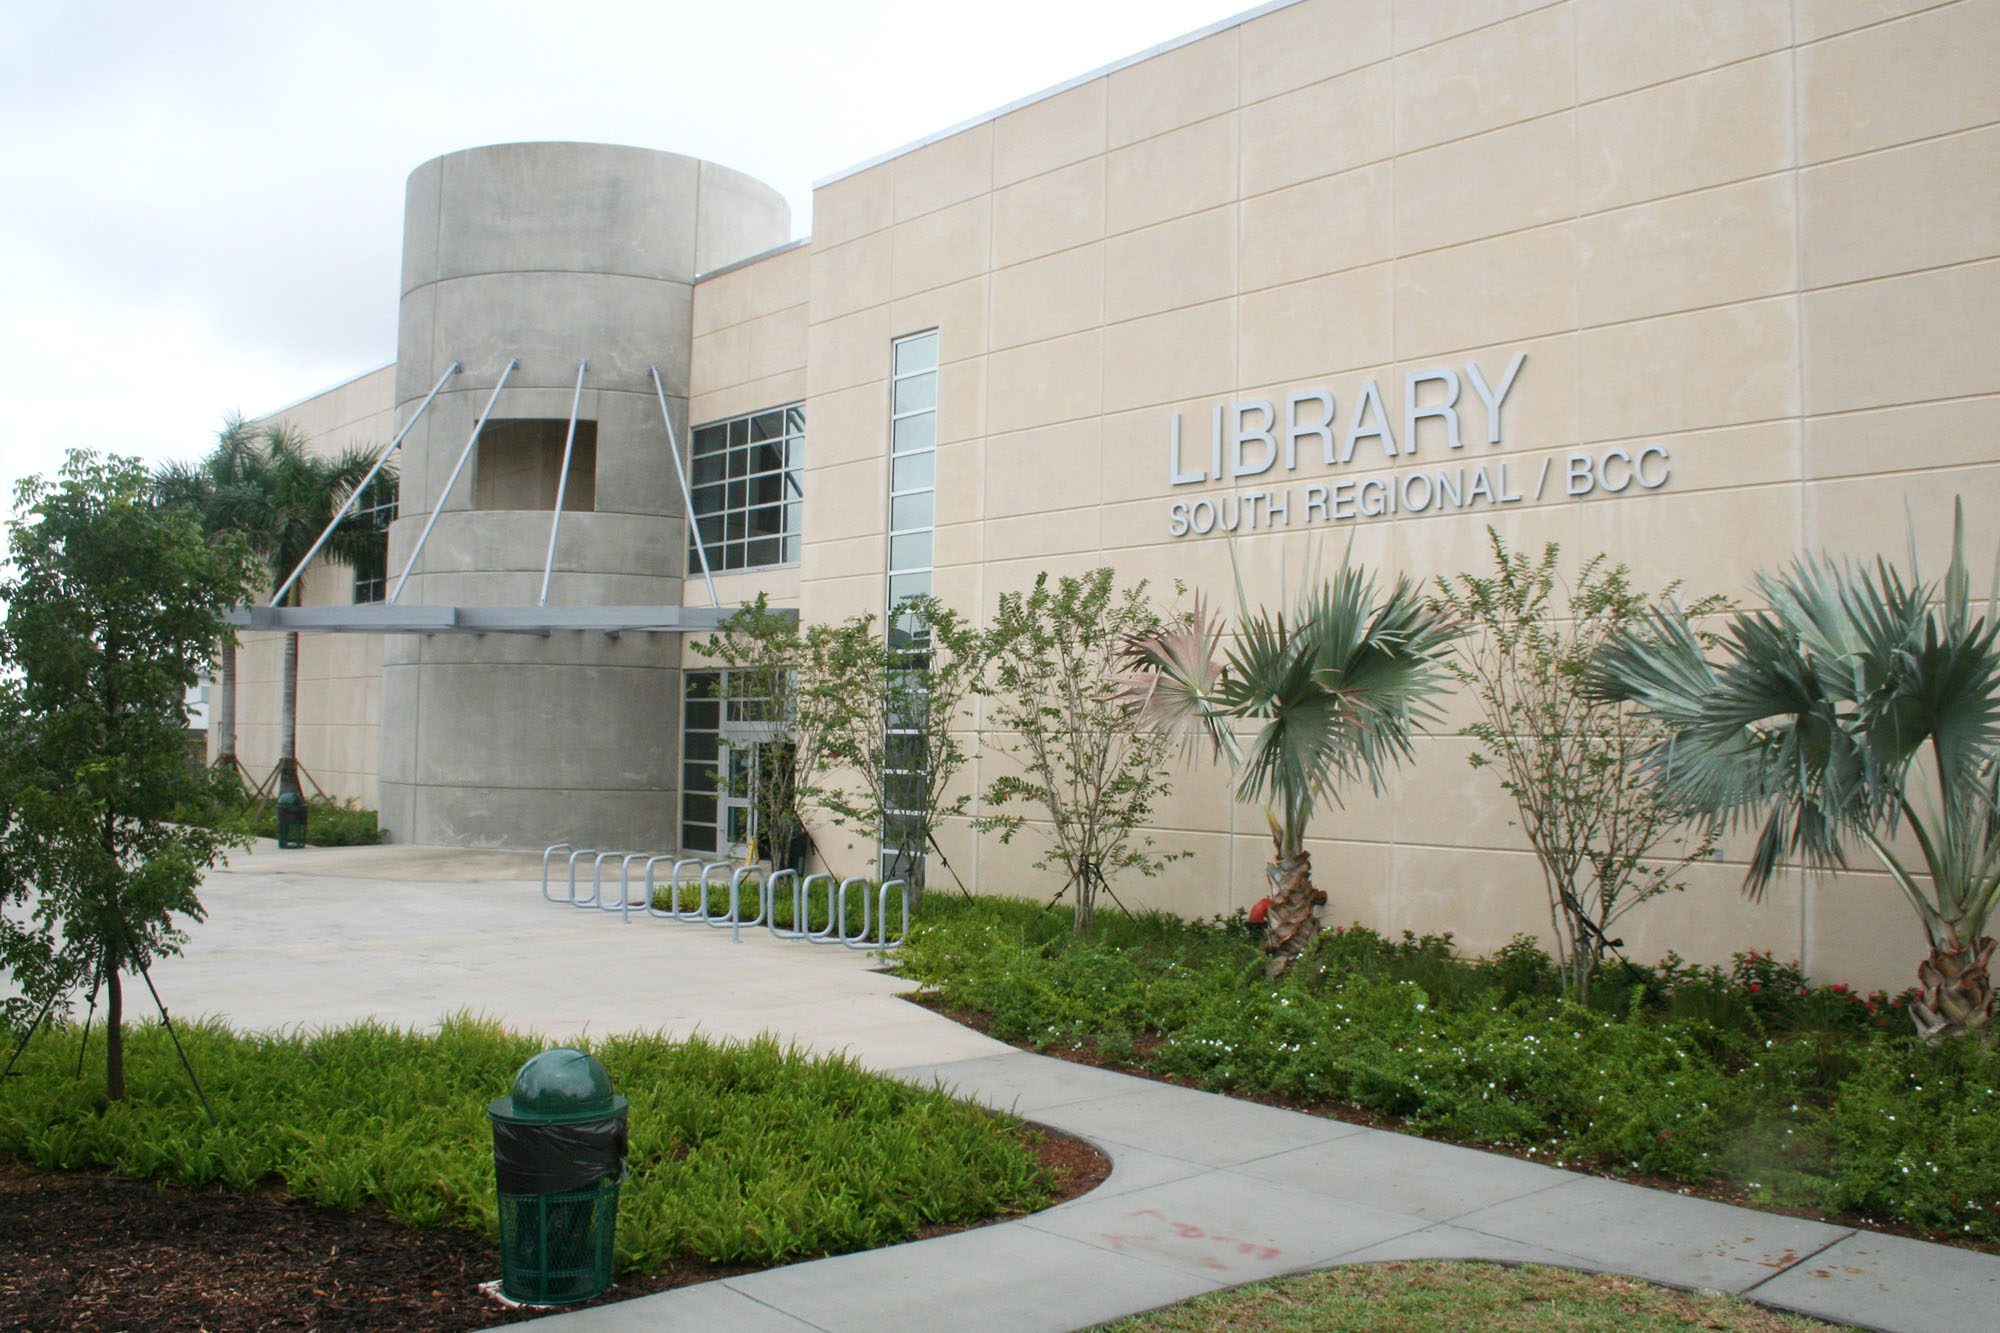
(559, 1087)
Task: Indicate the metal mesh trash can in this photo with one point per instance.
(292, 816)
(559, 1148)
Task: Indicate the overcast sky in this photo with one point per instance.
(201, 203)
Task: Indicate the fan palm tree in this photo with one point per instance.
(1862, 700)
(1340, 682)
(205, 489)
(285, 498)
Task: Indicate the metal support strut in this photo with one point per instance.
(687, 495)
(354, 496)
(562, 480)
(437, 506)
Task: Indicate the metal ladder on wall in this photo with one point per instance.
(701, 875)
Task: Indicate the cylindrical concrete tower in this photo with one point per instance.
(552, 253)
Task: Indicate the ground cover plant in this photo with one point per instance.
(750, 1154)
(1439, 1297)
(1790, 1094)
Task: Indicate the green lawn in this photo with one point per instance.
(1439, 1297)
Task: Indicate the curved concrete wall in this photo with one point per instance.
(551, 253)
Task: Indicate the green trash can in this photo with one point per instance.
(292, 816)
(559, 1148)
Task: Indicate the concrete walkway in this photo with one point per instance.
(1206, 1191)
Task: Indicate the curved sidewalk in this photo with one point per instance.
(1206, 1191)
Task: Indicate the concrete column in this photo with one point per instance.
(551, 253)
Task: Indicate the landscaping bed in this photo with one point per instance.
(1747, 1084)
(743, 1157)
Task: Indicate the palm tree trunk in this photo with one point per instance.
(1957, 995)
(225, 708)
(1293, 922)
(288, 721)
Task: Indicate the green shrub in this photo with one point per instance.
(751, 1154)
(1801, 1093)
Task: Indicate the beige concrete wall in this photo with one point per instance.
(1757, 235)
(340, 675)
(749, 353)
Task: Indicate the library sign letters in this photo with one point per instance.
(1425, 460)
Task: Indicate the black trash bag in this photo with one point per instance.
(558, 1159)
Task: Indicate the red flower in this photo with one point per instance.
(1260, 912)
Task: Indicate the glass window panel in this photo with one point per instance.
(710, 439)
(709, 526)
(739, 463)
(917, 432)
(739, 432)
(708, 499)
(903, 750)
(904, 586)
(698, 809)
(699, 746)
(911, 511)
(768, 489)
(697, 838)
(734, 529)
(911, 550)
(767, 520)
(916, 393)
(732, 556)
(795, 421)
(765, 551)
(698, 777)
(794, 513)
(918, 353)
(792, 545)
(795, 453)
(767, 457)
(704, 712)
(767, 425)
(739, 824)
(906, 791)
(708, 467)
(739, 495)
(913, 472)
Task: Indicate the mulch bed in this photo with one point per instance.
(1721, 1191)
(98, 1254)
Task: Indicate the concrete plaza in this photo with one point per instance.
(1206, 1192)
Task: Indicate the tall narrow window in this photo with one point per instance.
(912, 514)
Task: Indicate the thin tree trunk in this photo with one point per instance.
(225, 708)
(114, 1032)
(288, 721)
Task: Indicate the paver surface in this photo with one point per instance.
(1206, 1192)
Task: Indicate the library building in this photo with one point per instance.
(1700, 286)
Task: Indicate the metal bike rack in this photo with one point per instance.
(771, 881)
(574, 856)
(547, 853)
(597, 882)
(882, 942)
(840, 909)
(873, 932)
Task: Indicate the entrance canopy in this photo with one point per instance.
(389, 618)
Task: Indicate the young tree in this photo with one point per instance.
(113, 607)
(893, 727)
(777, 669)
(1825, 719)
(1090, 772)
(1340, 683)
(1605, 839)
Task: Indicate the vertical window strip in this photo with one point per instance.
(913, 396)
